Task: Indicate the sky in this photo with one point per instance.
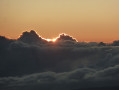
(86, 20)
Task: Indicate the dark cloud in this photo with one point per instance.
(31, 38)
(74, 80)
(32, 63)
(65, 37)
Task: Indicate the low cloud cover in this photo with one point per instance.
(33, 63)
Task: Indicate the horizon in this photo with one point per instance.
(55, 38)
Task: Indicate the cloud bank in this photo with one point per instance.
(33, 63)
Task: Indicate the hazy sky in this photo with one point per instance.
(86, 20)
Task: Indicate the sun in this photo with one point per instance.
(51, 40)
(48, 40)
(54, 40)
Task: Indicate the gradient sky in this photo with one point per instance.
(86, 20)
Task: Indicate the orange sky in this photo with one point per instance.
(86, 20)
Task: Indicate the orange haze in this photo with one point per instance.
(86, 20)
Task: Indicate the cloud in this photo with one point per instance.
(65, 37)
(77, 79)
(31, 37)
(64, 65)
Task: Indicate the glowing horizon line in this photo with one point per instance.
(55, 39)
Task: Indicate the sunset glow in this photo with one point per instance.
(59, 36)
(52, 40)
(86, 20)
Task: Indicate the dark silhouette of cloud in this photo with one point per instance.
(115, 43)
(33, 63)
(65, 37)
(101, 44)
(31, 37)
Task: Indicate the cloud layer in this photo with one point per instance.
(32, 63)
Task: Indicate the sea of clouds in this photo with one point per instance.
(64, 65)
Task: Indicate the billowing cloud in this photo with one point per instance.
(65, 37)
(63, 65)
(31, 37)
(83, 78)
